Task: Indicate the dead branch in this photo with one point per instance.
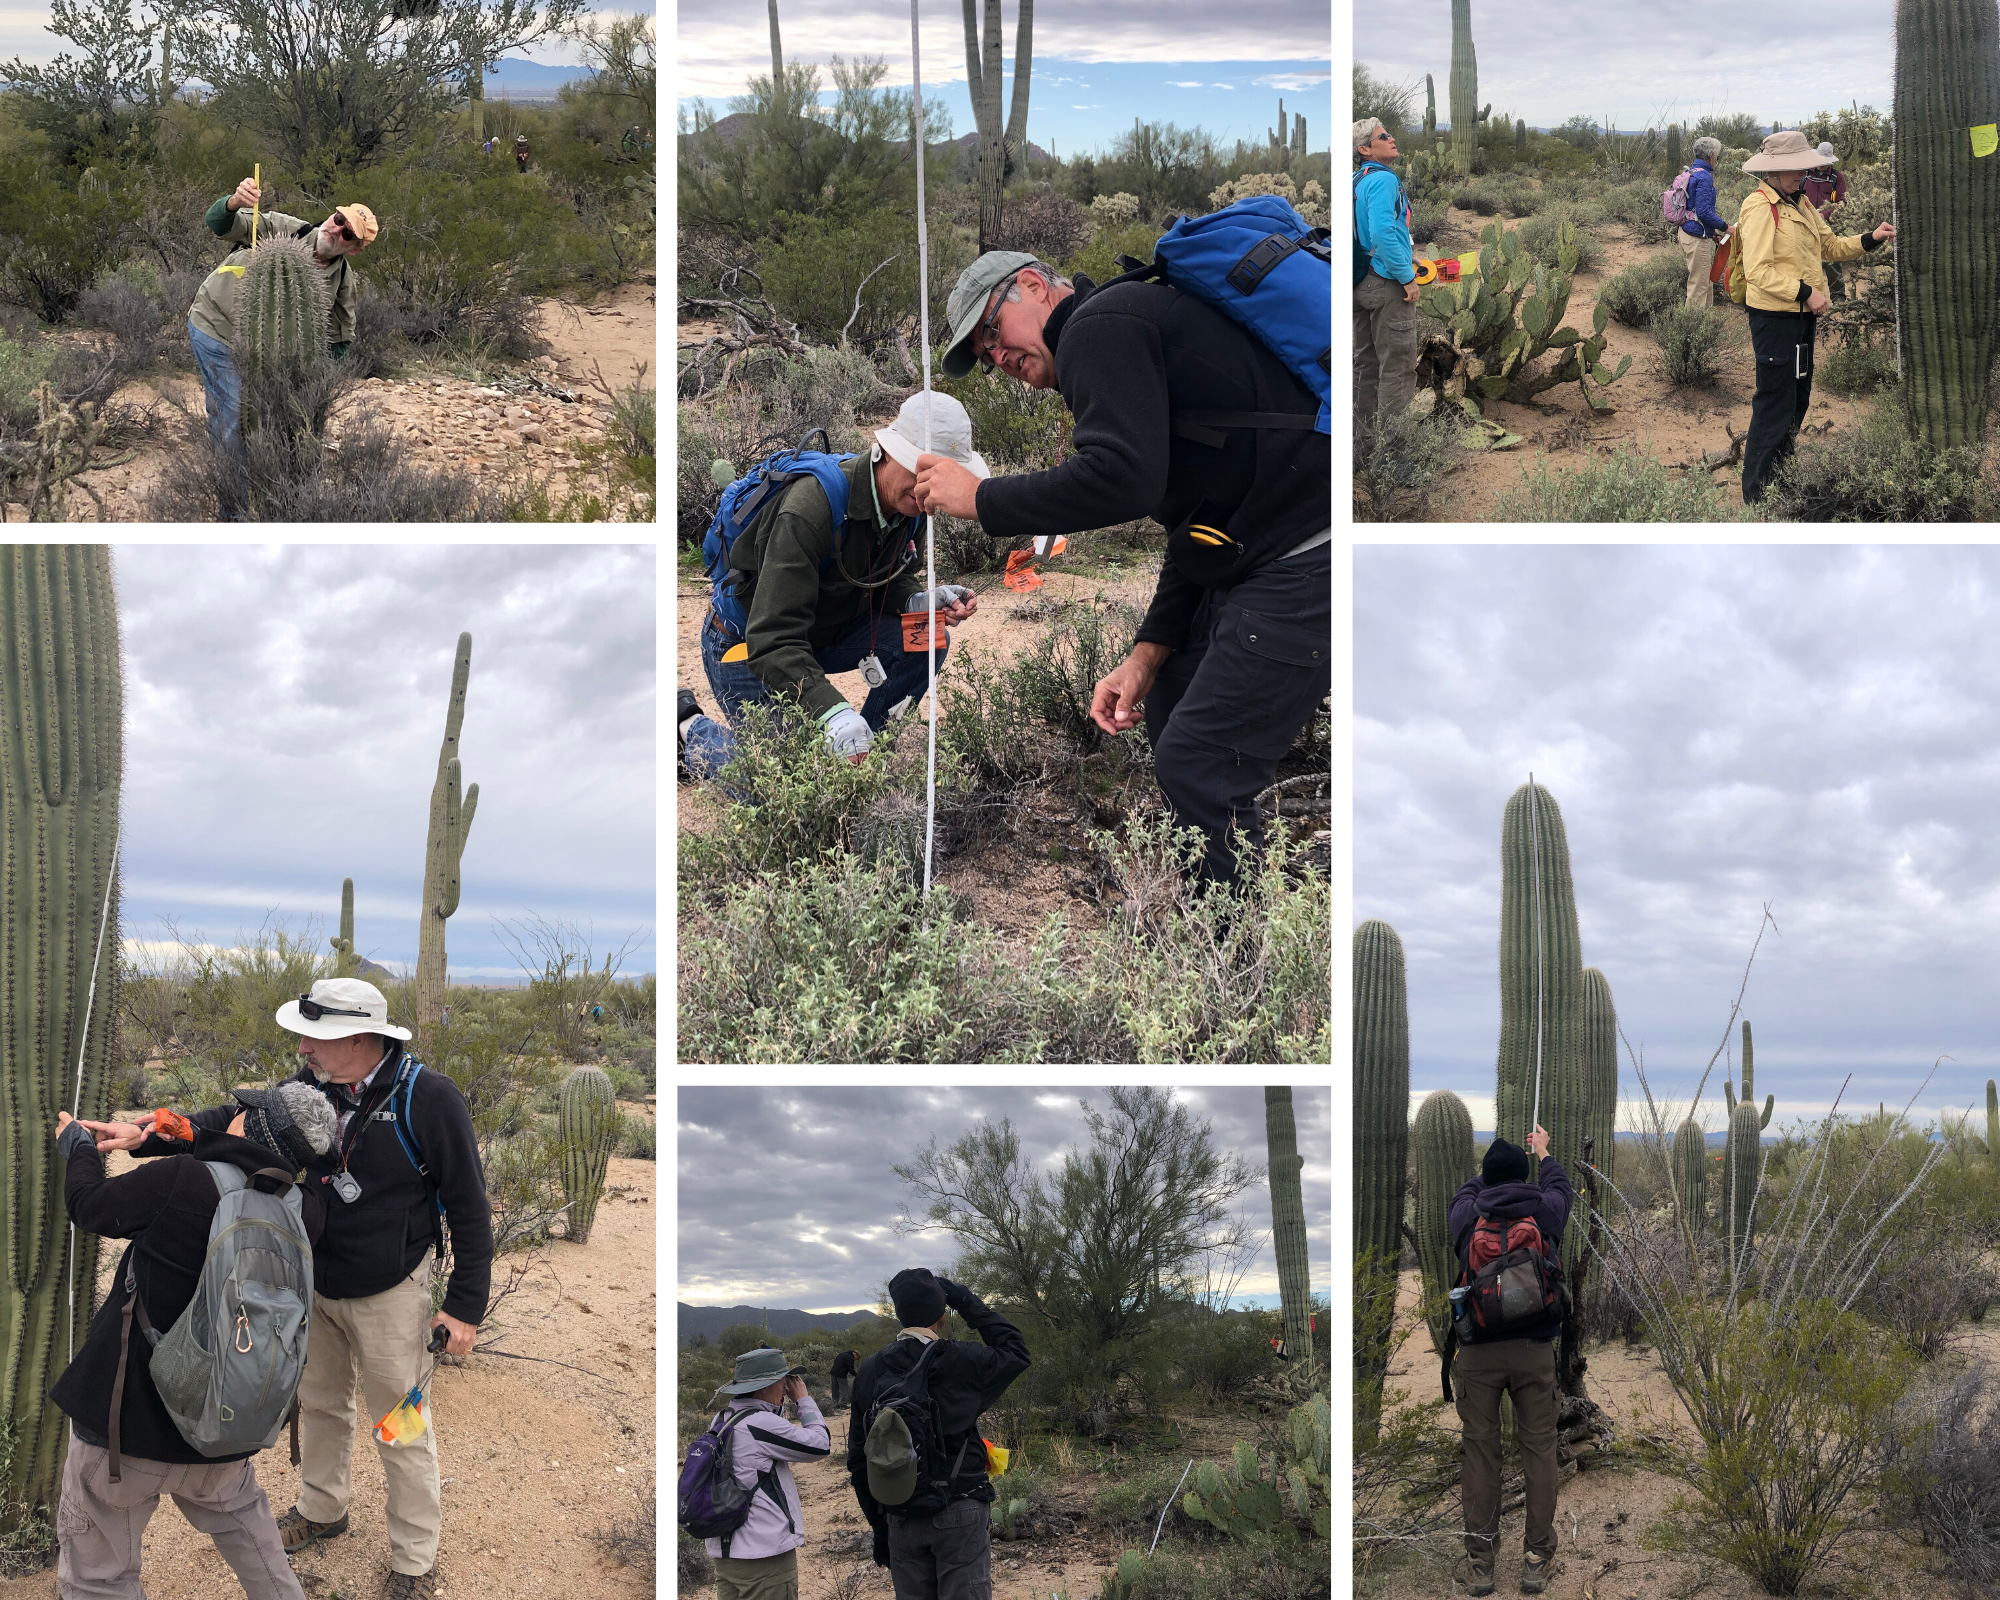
(857, 303)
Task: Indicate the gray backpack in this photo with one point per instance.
(228, 1369)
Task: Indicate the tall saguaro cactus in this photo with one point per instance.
(1600, 1120)
(61, 761)
(1948, 202)
(1381, 1126)
(344, 961)
(1742, 1152)
(1535, 872)
(1443, 1138)
(1520, 137)
(451, 822)
(1430, 113)
(1288, 1221)
(1464, 85)
(1674, 145)
(983, 80)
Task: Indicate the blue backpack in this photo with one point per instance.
(744, 499)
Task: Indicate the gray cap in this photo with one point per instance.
(967, 306)
(1825, 147)
(759, 1369)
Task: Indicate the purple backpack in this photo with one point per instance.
(1675, 205)
(712, 1504)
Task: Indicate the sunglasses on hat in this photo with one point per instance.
(312, 1010)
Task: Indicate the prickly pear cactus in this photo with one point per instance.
(1123, 1584)
(1237, 1500)
(282, 307)
(892, 830)
(1465, 112)
(1691, 1173)
(1309, 1464)
(61, 762)
(344, 961)
(588, 1127)
(1443, 1137)
(451, 823)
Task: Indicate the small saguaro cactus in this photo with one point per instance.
(1443, 1138)
(1520, 136)
(451, 822)
(1993, 1121)
(282, 307)
(1691, 1173)
(588, 1128)
(1674, 145)
(1381, 1091)
(343, 942)
(892, 830)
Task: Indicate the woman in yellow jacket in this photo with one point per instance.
(1785, 241)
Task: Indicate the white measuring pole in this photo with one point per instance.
(76, 1100)
(1535, 856)
(930, 520)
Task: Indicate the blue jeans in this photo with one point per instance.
(222, 383)
(710, 743)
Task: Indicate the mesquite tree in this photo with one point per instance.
(997, 149)
(451, 822)
(61, 759)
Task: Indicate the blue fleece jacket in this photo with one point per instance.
(1705, 223)
(1382, 227)
(1549, 1204)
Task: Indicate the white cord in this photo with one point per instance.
(89, 1005)
(1169, 1506)
(930, 518)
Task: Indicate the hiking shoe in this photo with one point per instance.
(1535, 1575)
(296, 1531)
(685, 706)
(1477, 1579)
(411, 1586)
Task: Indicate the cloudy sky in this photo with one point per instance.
(1817, 727)
(283, 711)
(1635, 62)
(1096, 66)
(787, 1198)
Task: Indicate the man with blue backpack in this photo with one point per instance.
(1690, 205)
(1388, 328)
(1201, 388)
(814, 560)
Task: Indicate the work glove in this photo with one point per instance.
(847, 731)
(948, 595)
(881, 1544)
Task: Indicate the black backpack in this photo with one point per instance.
(905, 1399)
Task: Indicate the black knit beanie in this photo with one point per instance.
(1504, 1163)
(915, 1294)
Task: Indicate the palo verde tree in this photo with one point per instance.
(96, 101)
(451, 822)
(999, 152)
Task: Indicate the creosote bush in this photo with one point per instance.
(1645, 289)
(1878, 473)
(1856, 365)
(1694, 341)
(1626, 486)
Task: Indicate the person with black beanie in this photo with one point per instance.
(1522, 1365)
(946, 1555)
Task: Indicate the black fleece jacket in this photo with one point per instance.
(375, 1242)
(964, 1380)
(164, 1207)
(1129, 356)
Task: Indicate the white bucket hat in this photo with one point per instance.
(344, 1007)
(951, 433)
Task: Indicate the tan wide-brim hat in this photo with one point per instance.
(1788, 152)
(350, 1005)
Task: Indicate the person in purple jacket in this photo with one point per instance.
(1705, 227)
(760, 1560)
(1523, 1366)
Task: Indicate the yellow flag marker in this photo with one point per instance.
(1986, 139)
(1469, 263)
(256, 177)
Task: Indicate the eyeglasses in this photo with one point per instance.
(312, 1010)
(341, 227)
(991, 325)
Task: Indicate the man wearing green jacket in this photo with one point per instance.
(212, 317)
(822, 597)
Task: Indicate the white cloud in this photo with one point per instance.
(1171, 83)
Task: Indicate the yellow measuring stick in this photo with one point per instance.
(256, 177)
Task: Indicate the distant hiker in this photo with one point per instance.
(914, 1454)
(1704, 226)
(1783, 245)
(1826, 188)
(843, 1372)
(488, 146)
(1388, 328)
(818, 580)
(1508, 1225)
(521, 152)
(119, 1465)
(1189, 417)
(759, 1558)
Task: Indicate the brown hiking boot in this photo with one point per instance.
(411, 1586)
(1477, 1579)
(1535, 1575)
(296, 1531)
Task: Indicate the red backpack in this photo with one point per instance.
(1510, 1282)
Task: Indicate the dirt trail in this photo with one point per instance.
(1675, 425)
(537, 1459)
(1601, 1514)
(497, 434)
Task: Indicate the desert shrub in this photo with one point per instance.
(1131, 1505)
(638, 1138)
(1694, 341)
(56, 240)
(1542, 236)
(739, 1337)
(1856, 365)
(1220, 1352)
(1736, 130)
(1637, 206)
(1879, 473)
(1053, 681)
(1411, 453)
(1484, 198)
(1579, 132)
(634, 1541)
(1099, 256)
(1933, 1275)
(1048, 226)
(1645, 289)
(24, 367)
(145, 312)
(1627, 486)
(1521, 198)
(819, 265)
(1945, 1477)
(1013, 426)
(1426, 218)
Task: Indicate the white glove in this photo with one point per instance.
(846, 731)
(948, 595)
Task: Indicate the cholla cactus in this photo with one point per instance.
(588, 1127)
(1114, 210)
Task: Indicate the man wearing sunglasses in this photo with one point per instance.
(403, 1168)
(1185, 417)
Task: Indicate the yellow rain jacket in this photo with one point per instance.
(1783, 252)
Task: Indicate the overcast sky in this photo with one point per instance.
(1813, 726)
(787, 1198)
(283, 712)
(1640, 61)
(1096, 65)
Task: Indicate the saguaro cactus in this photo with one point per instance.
(1288, 1222)
(343, 942)
(1430, 113)
(281, 308)
(1741, 1167)
(1993, 1121)
(1443, 1137)
(1755, 1123)
(1464, 86)
(61, 761)
(451, 822)
(1674, 145)
(1558, 973)
(1520, 136)
(1691, 1173)
(1600, 1118)
(1948, 199)
(588, 1128)
(1381, 1122)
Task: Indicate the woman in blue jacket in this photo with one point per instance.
(1388, 330)
(1704, 226)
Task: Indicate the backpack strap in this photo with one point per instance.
(133, 1308)
(406, 1135)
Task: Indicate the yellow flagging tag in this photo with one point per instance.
(237, 270)
(1986, 139)
(1469, 263)
(737, 652)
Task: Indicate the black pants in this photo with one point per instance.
(1224, 711)
(1783, 344)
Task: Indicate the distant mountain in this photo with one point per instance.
(734, 126)
(533, 78)
(711, 1320)
(1035, 151)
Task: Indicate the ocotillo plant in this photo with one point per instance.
(1691, 1173)
(61, 760)
(1381, 1122)
(1674, 145)
(1565, 1079)
(451, 821)
(1464, 86)
(1947, 199)
(1288, 1223)
(343, 942)
(1443, 1139)
(588, 1128)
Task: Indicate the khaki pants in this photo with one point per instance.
(101, 1524)
(1699, 254)
(1481, 1374)
(766, 1578)
(381, 1338)
(1387, 337)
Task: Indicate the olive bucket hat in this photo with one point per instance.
(966, 308)
(759, 1369)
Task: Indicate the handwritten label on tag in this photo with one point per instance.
(1986, 139)
(913, 631)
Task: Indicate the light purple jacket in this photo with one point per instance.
(762, 1442)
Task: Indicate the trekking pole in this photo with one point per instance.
(930, 519)
(76, 1102)
(1535, 857)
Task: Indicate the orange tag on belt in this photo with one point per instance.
(913, 632)
(1021, 575)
